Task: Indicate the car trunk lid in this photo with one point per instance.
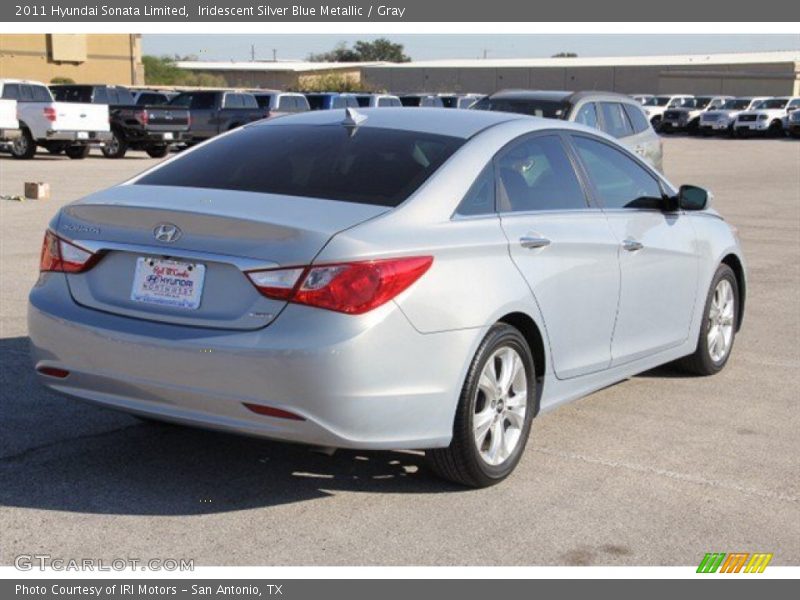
(220, 233)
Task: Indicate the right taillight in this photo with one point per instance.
(353, 288)
(50, 113)
(63, 257)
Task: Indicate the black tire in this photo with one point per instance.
(157, 151)
(116, 147)
(701, 362)
(775, 129)
(78, 152)
(24, 146)
(55, 149)
(656, 123)
(461, 461)
(693, 128)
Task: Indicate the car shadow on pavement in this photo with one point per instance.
(61, 454)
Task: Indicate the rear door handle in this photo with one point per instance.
(632, 245)
(533, 242)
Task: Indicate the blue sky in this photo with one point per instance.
(427, 46)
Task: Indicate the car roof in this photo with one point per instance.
(561, 95)
(461, 123)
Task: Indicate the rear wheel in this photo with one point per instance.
(157, 151)
(494, 413)
(116, 147)
(24, 146)
(78, 152)
(718, 329)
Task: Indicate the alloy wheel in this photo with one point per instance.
(500, 406)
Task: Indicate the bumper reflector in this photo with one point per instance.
(53, 372)
(273, 412)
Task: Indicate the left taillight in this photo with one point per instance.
(353, 288)
(62, 256)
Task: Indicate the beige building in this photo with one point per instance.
(737, 74)
(277, 75)
(83, 58)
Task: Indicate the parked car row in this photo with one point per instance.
(735, 116)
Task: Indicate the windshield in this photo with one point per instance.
(369, 165)
(772, 103)
(657, 101)
(736, 104)
(702, 102)
(527, 106)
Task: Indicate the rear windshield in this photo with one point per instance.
(195, 100)
(527, 106)
(371, 166)
(73, 94)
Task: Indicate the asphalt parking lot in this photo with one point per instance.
(657, 470)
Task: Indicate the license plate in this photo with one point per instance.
(167, 136)
(83, 135)
(168, 282)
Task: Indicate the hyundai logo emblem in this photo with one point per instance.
(167, 232)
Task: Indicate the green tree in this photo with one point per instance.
(380, 50)
(162, 70)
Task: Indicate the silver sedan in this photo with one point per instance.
(384, 279)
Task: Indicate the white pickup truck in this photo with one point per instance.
(722, 119)
(687, 118)
(9, 126)
(655, 107)
(53, 125)
(766, 118)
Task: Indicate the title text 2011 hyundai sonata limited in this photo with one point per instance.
(384, 279)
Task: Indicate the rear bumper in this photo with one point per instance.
(156, 137)
(358, 382)
(78, 136)
(10, 134)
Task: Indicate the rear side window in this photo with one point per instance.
(637, 118)
(480, 197)
(587, 115)
(124, 96)
(536, 174)
(374, 166)
(100, 96)
(249, 101)
(619, 181)
(11, 91)
(233, 101)
(615, 121)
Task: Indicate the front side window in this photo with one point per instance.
(587, 115)
(615, 121)
(619, 181)
(536, 174)
(375, 166)
(480, 197)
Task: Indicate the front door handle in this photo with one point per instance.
(533, 242)
(632, 245)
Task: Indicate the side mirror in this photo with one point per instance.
(691, 197)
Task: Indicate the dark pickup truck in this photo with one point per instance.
(135, 127)
(214, 112)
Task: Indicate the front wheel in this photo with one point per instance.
(494, 413)
(718, 329)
